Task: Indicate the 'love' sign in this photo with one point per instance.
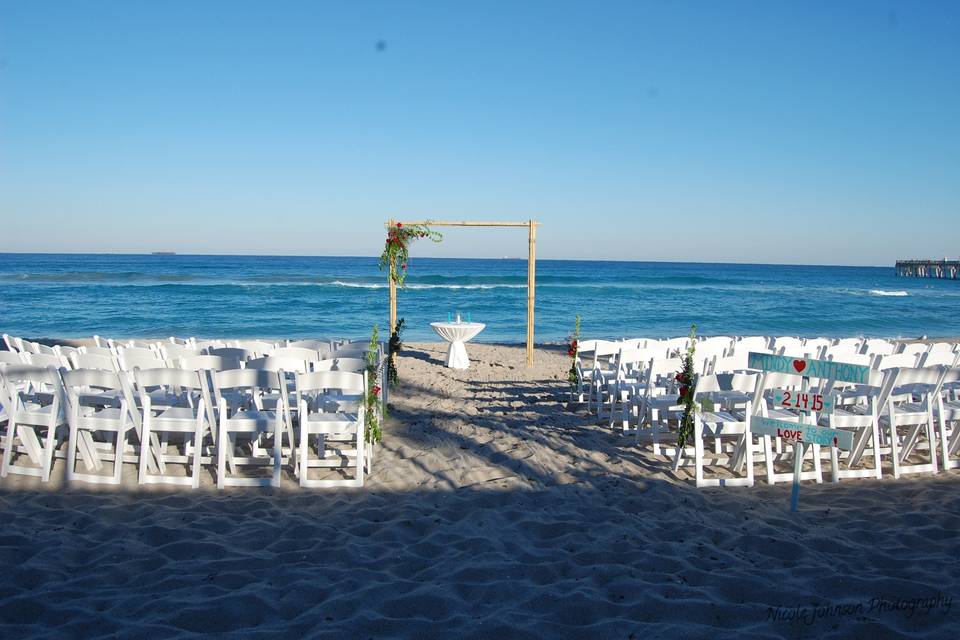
(804, 433)
(826, 369)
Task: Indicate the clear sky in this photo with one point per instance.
(762, 131)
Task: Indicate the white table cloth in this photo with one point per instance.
(456, 333)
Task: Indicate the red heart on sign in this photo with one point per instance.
(799, 365)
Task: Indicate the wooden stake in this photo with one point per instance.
(392, 285)
(531, 288)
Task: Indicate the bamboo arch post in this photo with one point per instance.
(531, 226)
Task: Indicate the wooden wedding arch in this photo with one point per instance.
(531, 226)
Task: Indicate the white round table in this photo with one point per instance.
(456, 333)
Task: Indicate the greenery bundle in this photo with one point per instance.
(573, 350)
(396, 250)
(394, 347)
(686, 381)
(373, 431)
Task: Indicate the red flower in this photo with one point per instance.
(376, 390)
(571, 352)
(399, 225)
(403, 266)
(574, 344)
(684, 390)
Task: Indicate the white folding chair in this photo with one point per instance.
(174, 405)
(332, 408)
(36, 424)
(911, 396)
(102, 415)
(244, 422)
(130, 358)
(726, 425)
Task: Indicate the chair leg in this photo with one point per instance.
(118, 455)
(71, 452)
(145, 453)
(277, 453)
(221, 454)
(8, 452)
(304, 453)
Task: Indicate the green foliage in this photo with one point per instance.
(573, 350)
(395, 345)
(373, 431)
(396, 250)
(687, 380)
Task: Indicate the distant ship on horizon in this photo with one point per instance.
(163, 253)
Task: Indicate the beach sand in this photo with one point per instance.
(493, 511)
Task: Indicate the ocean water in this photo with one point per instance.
(246, 296)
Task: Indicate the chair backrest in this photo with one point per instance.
(816, 346)
(12, 357)
(743, 382)
(44, 360)
(99, 380)
(842, 352)
(910, 380)
(259, 347)
(301, 353)
(164, 377)
(84, 360)
(206, 345)
(878, 347)
(208, 363)
(913, 348)
(28, 378)
(848, 343)
(98, 351)
(341, 364)
(785, 344)
(344, 381)
(171, 353)
(939, 347)
(935, 358)
(897, 361)
(323, 347)
(131, 358)
(36, 347)
(233, 352)
(732, 363)
(13, 343)
(252, 383)
(278, 363)
(758, 344)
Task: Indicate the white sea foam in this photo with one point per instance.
(881, 292)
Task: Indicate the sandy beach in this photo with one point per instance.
(493, 510)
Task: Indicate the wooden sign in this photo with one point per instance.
(803, 401)
(802, 433)
(826, 369)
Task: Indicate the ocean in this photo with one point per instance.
(74, 295)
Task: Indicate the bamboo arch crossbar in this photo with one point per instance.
(531, 226)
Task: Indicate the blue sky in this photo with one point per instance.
(803, 132)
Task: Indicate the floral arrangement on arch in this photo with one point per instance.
(396, 250)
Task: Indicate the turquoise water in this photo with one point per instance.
(245, 296)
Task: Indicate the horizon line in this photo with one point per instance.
(174, 254)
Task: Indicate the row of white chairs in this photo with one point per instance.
(172, 422)
(205, 409)
(636, 390)
(607, 371)
(125, 356)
